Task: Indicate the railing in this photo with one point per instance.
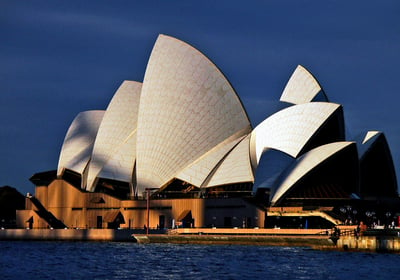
(339, 231)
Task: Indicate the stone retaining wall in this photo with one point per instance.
(369, 243)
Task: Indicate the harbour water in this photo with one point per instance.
(114, 260)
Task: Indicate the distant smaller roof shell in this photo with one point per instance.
(301, 88)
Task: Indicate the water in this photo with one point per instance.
(110, 260)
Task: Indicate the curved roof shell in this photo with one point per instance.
(293, 129)
(117, 126)
(120, 166)
(235, 167)
(272, 164)
(186, 126)
(334, 163)
(187, 107)
(198, 172)
(378, 176)
(78, 143)
(302, 87)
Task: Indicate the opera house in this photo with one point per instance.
(178, 150)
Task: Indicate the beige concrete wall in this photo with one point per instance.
(28, 203)
(196, 206)
(24, 215)
(41, 193)
(110, 202)
(61, 194)
(62, 198)
(77, 209)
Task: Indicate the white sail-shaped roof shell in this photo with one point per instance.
(301, 88)
(290, 129)
(235, 168)
(198, 172)
(305, 164)
(187, 107)
(119, 122)
(121, 164)
(78, 143)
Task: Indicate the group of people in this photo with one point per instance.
(361, 228)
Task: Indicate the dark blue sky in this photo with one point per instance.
(58, 58)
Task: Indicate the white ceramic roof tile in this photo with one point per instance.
(290, 129)
(198, 172)
(121, 163)
(306, 163)
(78, 143)
(302, 87)
(235, 167)
(187, 107)
(119, 121)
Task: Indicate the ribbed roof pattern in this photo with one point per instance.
(235, 167)
(290, 129)
(121, 164)
(187, 107)
(197, 172)
(302, 87)
(78, 142)
(119, 122)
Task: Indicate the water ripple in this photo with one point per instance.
(109, 260)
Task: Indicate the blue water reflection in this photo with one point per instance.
(108, 260)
